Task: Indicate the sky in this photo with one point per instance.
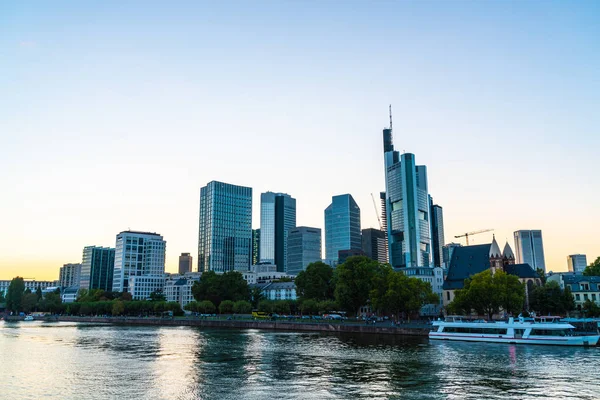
(114, 114)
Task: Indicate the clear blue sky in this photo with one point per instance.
(114, 114)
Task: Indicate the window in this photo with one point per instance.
(577, 297)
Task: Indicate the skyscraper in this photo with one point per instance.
(407, 207)
(342, 226)
(255, 246)
(69, 275)
(225, 229)
(304, 247)
(277, 217)
(97, 268)
(185, 263)
(577, 263)
(447, 251)
(530, 248)
(437, 232)
(373, 244)
(139, 263)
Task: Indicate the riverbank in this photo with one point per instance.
(405, 329)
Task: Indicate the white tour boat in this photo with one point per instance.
(549, 330)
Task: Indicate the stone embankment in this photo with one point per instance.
(413, 329)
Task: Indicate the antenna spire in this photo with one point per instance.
(390, 117)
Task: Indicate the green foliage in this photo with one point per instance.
(284, 279)
(2, 298)
(593, 269)
(326, 306)
(354, 281)
(265, 306)
(206, 307)
(550, 299)
(226, 307)
(29, 302)
(157, 295)
(316, 282)
(256, 296)
(281, 307)
(487, 294)
(51, 302)
(117, 308)
(309, 307)
(14, 294)
(242, 307)
(541, 274)
(218, 287)
(591, 309)
(191, 306)
(38, 293)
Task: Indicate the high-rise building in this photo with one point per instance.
(303, 248)
(225, 231)
(407, 207)
(255, 246)
(437, 233)
(277, 217)
(185, 263)
(342, 226)
(577, 263)
(139, 263)
(373, 244)
(447, 251)
(530, 248)
(97, 268)
(69, 275)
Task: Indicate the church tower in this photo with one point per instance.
(508, 255)
(496, 259)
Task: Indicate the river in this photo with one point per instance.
(64, 360)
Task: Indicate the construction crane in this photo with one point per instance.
(376, 212)
(466, 235)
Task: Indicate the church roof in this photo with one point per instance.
(507, 252)
(495, 249)
(521, 270)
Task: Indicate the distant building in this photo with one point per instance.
(69, 294)
(530, 248)
(343, 255)
(185, 263)
(277, 290)
(255, 246)
(178, 287)
(30, 284)
(384, 224)
(577, 263)
(447, 251)
(263, 273)
(583, 288)
(373, 244)
(304, 247)
(437, 233)
(342, 226)
(97, 268)
(435, 277)
(225, 233)
(139, 263)
(69, 275)
(277, 217)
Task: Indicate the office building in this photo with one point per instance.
(225, 229)
(185, 263)
(255, 246)
(530, 248)
(447, 251)
(30, 284)
(303, 248)
(577, 263)
(97, 268)
(277, 217)
(264, 273)
(342, 226)
(69, 275)
(373, 244)
(139, 263)
(407, 208)
(437, 233)
(178, 287)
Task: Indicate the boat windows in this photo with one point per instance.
(488, 331)
(549, 332)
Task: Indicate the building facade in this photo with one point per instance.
(447, 251)
(342, 226)
(139, 263)
(178, 287)
(577, 263)
(225, 229)
(69, 275)
(185, 263)
(373, 244)
(97, 268)
(530, 248)
(30, 284)
(435, 277)
(437, 233)
(255, 246)
(304, 247)
(278, 290)
(263, 273)
(277, 217)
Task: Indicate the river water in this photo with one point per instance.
(87, 361)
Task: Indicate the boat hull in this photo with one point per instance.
(562, 341)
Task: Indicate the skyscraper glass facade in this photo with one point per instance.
(373, 244)
(225, 229)
(97, 268)
(255, 246)
(277, 217)
(342, 226)
(577, 263)
(530, 248)
(437, 233)
(304, 247)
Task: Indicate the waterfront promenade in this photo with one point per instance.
(386, 328)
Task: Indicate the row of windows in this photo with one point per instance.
(482, 330)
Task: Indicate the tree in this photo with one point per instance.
(309, 306)
(593, 269)
(316, 282)
(242, 307)
(117, 308)
(591, 309)
(157, 295)
(226, 307)
(191, 306)
(354, 281)
(2, 298)
(265, 306)
(541, 274)
(281, 307)
(28, 302)
(51, 302)
(206, 307)
(38, 293)
(216, 288)
(14, 294)
(326, 306)
(550, 299)
(256, 296)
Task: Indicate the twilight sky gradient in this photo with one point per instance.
(112, 116)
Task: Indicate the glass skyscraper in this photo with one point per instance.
(530, 248)
(304, 247)
(373, 244)
(97, 268)
(437, 233)
(342, 226)
(277, 217)
(225, 229)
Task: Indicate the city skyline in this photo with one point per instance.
(505, 98)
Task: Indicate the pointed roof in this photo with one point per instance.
(495, 249)
(507, 252)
